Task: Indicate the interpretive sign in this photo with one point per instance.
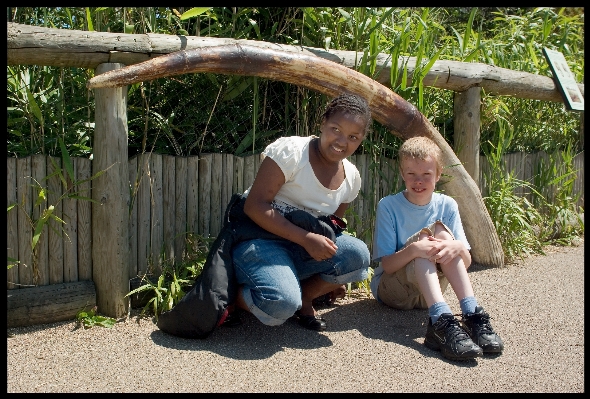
(574, 100)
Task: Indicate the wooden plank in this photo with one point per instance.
(515, 162)
(70, 213)
(238, 186)
(249, 171)
(11, 223)
(144, 214)
(192, 195)
(258, 158)
(528, 174)
(373, 194)
(56, 243)
(110, 214)
(362, 199)
(24, 193)
(228, 182)
(168, 205)
(157, 194)
(396, 177)
(205, 161)
(354, 205)
(484, 170)
(41, 252)
(83, 171)
(181, 176)
(133, 186)
(216, 184)
(49, 304)
(390, 174)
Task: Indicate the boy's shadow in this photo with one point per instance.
(377, 321)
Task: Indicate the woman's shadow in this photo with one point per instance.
(249, 341)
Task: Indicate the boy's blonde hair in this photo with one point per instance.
(421, 147)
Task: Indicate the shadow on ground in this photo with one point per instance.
(253, 340)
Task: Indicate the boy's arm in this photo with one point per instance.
(392, 263)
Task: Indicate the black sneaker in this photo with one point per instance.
(480, 330)
(447, 336)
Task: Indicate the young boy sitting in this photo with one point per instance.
(420, 243)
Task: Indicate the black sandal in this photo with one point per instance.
(311, 322)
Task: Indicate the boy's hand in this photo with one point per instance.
(443, 251)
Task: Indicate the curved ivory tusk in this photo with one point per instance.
(330, 78)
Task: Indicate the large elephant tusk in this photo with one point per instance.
(330, 78)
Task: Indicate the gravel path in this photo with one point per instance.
(537, 307)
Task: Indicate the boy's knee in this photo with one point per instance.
(440, 231)
(423, 236)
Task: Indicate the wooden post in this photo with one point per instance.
(581, 131)
(12, 222)
(467, 129)
(110, 216)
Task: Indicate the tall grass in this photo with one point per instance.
(514, 217)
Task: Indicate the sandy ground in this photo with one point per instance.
(537, 307)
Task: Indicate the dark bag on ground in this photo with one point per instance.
(200, 311)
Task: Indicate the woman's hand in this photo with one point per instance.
(319, 247)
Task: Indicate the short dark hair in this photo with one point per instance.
(351, 104)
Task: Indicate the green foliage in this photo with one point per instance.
(364, 285)
(89, 319)
(204, 113)
(513, 216)
(554, 181)
(167, 289)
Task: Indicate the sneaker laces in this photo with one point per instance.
(482, 321)
(454, 330)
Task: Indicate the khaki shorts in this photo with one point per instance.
(400, 289)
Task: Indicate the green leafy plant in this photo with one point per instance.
(169, 287)
(554, 181)
(513, 216)
(364, 285)
(89, 319)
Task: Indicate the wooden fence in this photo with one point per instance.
(171, 196)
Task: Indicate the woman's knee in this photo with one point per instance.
(353, 250)
(278, 303)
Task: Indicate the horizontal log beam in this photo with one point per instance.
(34, 45)
(49, 303)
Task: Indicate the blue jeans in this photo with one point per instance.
(270, 272)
